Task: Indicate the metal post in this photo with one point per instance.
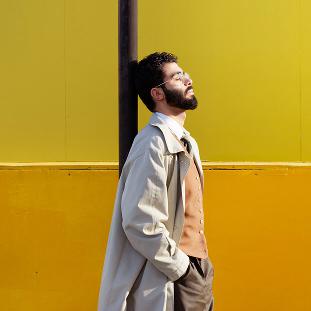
(127, 63)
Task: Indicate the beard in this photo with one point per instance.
(177, 98)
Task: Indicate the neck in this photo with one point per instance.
(177, 115)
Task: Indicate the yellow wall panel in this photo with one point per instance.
(53, 229)
(258, 231)
(305, 69)
(55, 221)
(59, 76)
(32, 81)
(91, 80)
(248, 60)
(243, 57)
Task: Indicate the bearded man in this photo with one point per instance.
(157, 257)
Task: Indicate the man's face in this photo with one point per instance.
(178, 88)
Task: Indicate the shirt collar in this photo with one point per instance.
(174, 126)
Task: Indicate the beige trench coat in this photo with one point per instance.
(142, 256)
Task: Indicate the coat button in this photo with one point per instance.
(201, 232)
(201, 221)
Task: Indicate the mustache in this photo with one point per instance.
(188, 89)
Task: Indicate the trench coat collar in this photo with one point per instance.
(172, 143)
(174, 146)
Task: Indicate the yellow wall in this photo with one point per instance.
(58, 80)
(250, 64)
(249, 61)
(55, 219)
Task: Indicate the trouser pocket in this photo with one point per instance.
(193, 291)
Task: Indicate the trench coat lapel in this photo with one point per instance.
(174, 146)
(172, 143)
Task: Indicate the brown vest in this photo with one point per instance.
(193, 241)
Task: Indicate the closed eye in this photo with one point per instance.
(178, 76)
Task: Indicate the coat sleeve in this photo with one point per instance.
(144, 208)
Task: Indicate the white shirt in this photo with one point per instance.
(174, 126)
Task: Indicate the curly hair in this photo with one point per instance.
(149, 74)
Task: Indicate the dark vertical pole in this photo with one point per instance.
(127, 64)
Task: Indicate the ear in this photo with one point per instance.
(157, 93)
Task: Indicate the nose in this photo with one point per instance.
(187, 81)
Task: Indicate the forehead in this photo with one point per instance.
(170, 68)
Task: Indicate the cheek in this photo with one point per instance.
(181, 90)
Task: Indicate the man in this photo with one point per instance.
(156, 257)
